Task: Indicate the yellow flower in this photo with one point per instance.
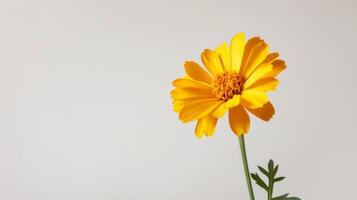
(237, 80)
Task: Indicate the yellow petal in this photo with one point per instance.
(257, 55)
(219, 111)
(183, 93)
(234, 101)
(247, 51)
(239, 120)
(252, 98)
(265, 84)
(206, 126)
(258, 74)
(196, 72)
(237, 50)
(265, 113)
(210, 125)
(211, 61)
(187, 83)
(178, 104)
(224, 107)
(224, 56)
(198, 109)
(199, 130)
(269, 59)
(278, 66)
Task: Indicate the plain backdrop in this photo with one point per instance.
(85, 110)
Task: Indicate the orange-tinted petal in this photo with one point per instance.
(278, 66)
(248, 50)
(265, 113)
(196, 72)
(239, 120)
(257, 55)
(271, 57)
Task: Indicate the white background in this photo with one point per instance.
(85, 111)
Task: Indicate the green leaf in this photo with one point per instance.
(270, 173)
(284, 196)
(279, 179)
(271, 165)
(265, 172)
(259, 181)
(275, 170)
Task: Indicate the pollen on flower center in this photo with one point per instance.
(227, 85)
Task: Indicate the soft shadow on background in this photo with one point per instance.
(85, 111)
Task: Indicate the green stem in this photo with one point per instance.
(270, 192)
(246, 168)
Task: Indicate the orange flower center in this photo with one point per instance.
(227, 85)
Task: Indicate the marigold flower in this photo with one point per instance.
(237, 80)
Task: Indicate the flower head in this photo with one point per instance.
(236, 81)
